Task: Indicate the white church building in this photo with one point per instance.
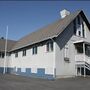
(59, 50)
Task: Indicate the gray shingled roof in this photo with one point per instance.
(10, 44)
(50, 31)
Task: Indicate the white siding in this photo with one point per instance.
(4, 62)
(42, 59)
(63, 68)
(1, 62)
(50, 60)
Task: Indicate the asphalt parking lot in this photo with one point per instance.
(12, 82)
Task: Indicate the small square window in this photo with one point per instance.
(79, 48)
(8, 54)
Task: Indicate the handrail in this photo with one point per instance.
(86, 64)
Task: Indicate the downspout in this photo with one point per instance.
(54, 61)
(84, 59)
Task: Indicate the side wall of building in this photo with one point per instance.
(40, 65)
(66, 40)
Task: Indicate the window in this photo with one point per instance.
(87, 50)
(79, 29)
(8, 54)
(79, 32)
(74, 26)
(24, 53)
(2, 54)
(49, 46)
(83, 33)
(78, 19)
(79, 48)
(34, 50)
(16, 54)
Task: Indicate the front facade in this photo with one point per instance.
(58, 51)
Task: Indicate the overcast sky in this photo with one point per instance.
(24, 17)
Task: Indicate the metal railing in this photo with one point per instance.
(84, 64)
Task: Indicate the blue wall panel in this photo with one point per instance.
(9, 70)
(1, 70)
(28, 71)
(40, 72)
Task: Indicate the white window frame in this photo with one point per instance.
(24, 52)
(49, 46)
(34, 50)
(16, 54)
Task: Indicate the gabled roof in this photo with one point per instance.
(50, 31)
(10, 44)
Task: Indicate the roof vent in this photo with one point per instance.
(64, 13)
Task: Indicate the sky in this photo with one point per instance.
(24, 17)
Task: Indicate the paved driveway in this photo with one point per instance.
(12, 82)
